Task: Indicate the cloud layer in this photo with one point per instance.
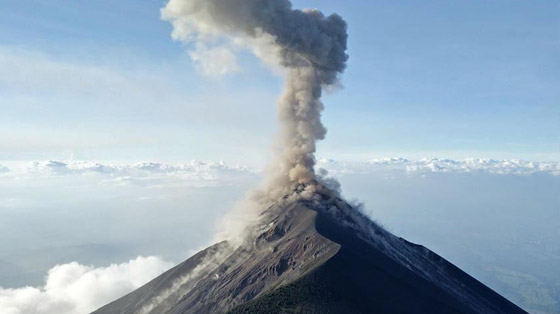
(441, 165)
(194, 173)
(77, 289)
(219, 171)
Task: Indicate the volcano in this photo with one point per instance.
(314, 256)
(309, 251)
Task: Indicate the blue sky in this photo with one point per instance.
(104, 80)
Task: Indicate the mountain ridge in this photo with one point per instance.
(309, 249)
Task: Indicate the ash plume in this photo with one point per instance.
(308, 46)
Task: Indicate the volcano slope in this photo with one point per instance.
(313, 257)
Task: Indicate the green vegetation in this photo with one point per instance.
(532, 292)
(309, 295)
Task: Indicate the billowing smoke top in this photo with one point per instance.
(309, 46)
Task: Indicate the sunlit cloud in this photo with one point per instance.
(74, 288)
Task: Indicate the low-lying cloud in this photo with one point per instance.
(441, 165)
(209, 171)
(77, 289)
(196, 173)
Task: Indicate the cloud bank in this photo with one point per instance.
(220, 172)
(196, 173)
(77, 289)
(440, 165)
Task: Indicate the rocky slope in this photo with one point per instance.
(308, 257)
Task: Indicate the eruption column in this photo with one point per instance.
(308, 45)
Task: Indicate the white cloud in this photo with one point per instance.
(78, 289)
(195, 172)
(222, 173)
(438, 165)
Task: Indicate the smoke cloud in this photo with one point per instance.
(309, 47)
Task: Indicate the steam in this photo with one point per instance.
(308, 46)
